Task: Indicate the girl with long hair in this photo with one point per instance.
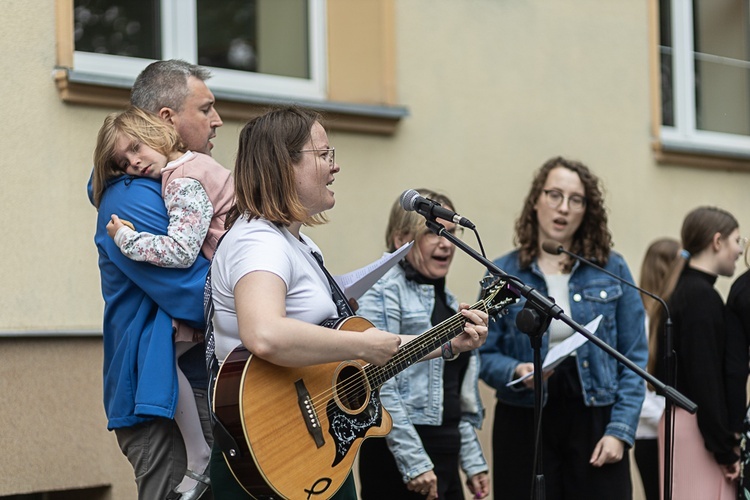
(657, 262)
(705, 460)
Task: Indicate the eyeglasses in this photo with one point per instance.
(329, 156)
(457, 231)
(554, 198)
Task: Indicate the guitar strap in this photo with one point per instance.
(222, 436)
(342, 305)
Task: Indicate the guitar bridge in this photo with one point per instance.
(308, 413)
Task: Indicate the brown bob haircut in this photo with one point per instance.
(269, 147)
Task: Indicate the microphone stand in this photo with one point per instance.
(669, 360)
(534, 323)
(547, 308)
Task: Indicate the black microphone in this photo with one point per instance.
(411, 201)
(556, 248)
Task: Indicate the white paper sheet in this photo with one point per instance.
(557, 354)
(356, 283)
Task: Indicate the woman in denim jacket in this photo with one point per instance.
(435, 404)
(592, 403)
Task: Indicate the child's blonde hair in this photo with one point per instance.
(138, 125)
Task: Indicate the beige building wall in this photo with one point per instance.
(494, 88)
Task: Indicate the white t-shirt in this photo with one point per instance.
(558, 287)
(259, 245)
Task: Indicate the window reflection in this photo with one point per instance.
(263, 36)
(123, 28)
(665, 53)
(227, 35)
(722, 66)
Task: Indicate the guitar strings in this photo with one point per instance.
(453, 325)
(373, 376)
(434, 341)
(449, 326)
(418, 350)
(344, 386)
(353, 386)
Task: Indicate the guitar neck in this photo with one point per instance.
(415, 350)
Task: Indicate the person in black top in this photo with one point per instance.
(737, 359)
(705, 459)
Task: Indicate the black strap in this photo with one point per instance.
(342, 305)
(222, 436)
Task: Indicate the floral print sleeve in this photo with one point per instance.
(190, 212)
(743, 490)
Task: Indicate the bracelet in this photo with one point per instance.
(446, 351)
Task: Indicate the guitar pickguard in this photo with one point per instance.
(345, 428)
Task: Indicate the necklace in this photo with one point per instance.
(551, 265)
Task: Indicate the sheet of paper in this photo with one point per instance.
(355, 283)
(557, 354)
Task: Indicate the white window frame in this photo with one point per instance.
(684, 136)
(182, 44)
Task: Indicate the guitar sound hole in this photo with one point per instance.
(351, 390)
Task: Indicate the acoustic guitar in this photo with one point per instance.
(298, 430)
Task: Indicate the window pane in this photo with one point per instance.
(665, 60)
(263, 36)
(118, 27)
(722, 66)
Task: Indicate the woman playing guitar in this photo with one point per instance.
(270, 294)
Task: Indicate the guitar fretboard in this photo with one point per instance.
(414, 350)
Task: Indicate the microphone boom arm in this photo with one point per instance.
(560, 250)
(546, 306)
(671, 395)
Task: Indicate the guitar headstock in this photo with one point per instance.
(496, 294)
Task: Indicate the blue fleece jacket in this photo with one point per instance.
(140, 300)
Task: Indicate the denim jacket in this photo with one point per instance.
(603, 380)
(415, 396)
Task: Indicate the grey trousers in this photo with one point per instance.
(157, 453)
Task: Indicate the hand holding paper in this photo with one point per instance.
(557, 354)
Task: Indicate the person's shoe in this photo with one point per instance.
(197, 491)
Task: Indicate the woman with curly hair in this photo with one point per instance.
(591, 402)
